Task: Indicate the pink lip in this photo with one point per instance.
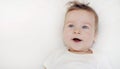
(76, 40)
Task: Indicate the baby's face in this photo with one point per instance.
(79, 30)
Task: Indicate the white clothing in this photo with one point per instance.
(68, 60)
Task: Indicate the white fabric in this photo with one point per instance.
(67, 60)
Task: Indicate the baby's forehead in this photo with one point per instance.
(79, 16)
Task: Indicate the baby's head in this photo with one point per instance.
(80, 28)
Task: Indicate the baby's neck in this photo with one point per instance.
(89, 51)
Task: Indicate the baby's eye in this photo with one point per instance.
(71, 25)
(85, 27)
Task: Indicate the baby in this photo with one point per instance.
(79, 34)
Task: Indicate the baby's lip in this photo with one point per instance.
(77, 39)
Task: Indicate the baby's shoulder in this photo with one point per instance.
(100, 56)
(56, 52)
(53, 56)
(103, 61)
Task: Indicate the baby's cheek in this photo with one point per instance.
(90, 34)
(67, 34)
(88, 37)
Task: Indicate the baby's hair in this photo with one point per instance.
(75, 5)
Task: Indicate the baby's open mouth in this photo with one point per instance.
(76, 40)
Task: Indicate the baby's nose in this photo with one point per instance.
(76, 31)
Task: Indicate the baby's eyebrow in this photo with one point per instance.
(72, 22)
(69, 21)
(87, 24)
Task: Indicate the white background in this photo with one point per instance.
(30, 29)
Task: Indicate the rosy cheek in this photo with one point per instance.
(67, 34)
(90, 36)
(87, 36)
